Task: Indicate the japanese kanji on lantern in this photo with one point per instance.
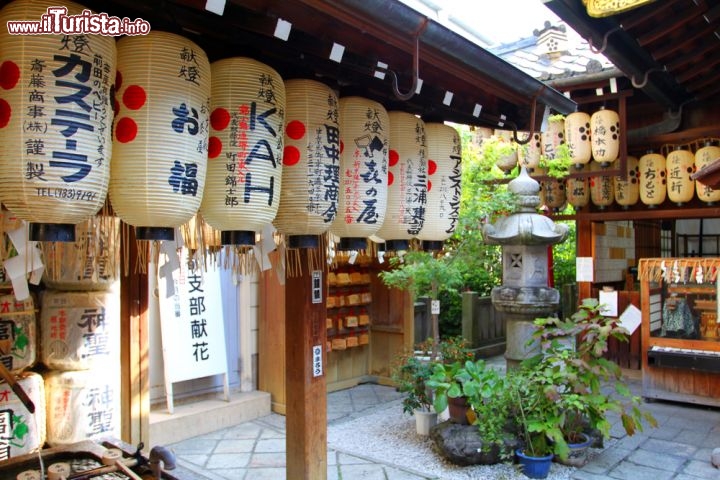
(160, 143)
(627, 190)
(602, 193)
(605, 136)
(311, 163)
(554, 194)
(552, 137)
(362, 200)
(577, 136)
(55, 123)
(407, 181)
(680, 164)
(529, 152)
(653, 188)
(242, 188)
(577, 191)
(444, 153)
(704, 156)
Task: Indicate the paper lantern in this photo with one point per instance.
(601, 188)
(552, 137)
(577, 136)
(55, 123)
(680, 164)
(577, 191)
(444, 154)
(703, 157)
(242, 188)
(92, 262)
(161, 135)
(311, 163)
(529, 153)
(653, 188)
(605, 136)
(407, 181)
(627, 191)
(364, 145)
(554, 194)
(24, 432)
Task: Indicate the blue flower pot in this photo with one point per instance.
(534, 467)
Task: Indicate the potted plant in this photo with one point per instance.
(574, 348)
(410, 374)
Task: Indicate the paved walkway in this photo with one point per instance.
(679, 449)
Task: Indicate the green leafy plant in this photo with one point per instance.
(410, 375)
(500, 152)
(455, 349)
(573, 361)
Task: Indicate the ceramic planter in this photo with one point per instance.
(424, 421)
(578, 455)
(534, 467)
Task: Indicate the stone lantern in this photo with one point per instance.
(525, 236)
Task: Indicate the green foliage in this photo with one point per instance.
(423, 274)
(564, 255)
(410, 375)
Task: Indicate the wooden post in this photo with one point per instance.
(306, 419)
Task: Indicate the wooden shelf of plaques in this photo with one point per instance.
(367, 325)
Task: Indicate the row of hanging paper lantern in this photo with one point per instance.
(176, 154)
(593, 137)
(650, 179)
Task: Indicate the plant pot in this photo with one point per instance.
(578, 455)
(534, 467)
(457, 409)
(424, 421)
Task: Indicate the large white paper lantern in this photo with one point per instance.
(577, 191)
(577, 136)
(444, 154)
(653, 187)
(627, 191)
(704, 156)
(407, 181)
(552, 137)
(529, 153)
(161, 133)
(311, 163)
(55, 123)
(242, 188)
(605, 136)
(680, 164)
(364, 145)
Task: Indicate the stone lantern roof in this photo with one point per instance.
(525, 226)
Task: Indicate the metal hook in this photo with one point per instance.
(532, 120)
(416, 68)
(645, 77)
(604, 41)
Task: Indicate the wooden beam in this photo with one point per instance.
(305, 329)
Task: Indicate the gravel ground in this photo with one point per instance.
(389, 436)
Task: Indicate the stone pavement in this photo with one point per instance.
(678, 449)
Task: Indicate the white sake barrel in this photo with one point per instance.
(92, 262)
(80, 330)
(82, 405)
(18, 337)
(23, 432)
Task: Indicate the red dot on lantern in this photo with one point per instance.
(220, 118)
(118, 80)
(432, 167)
(295, 130)
(391, 178)
(5, 113)
(9, 75)
(342, 146)
(126, 130)
(429, 185)
(134, 97)
(116, 107)
(394, 158)
(291, 156)
(214, 147)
